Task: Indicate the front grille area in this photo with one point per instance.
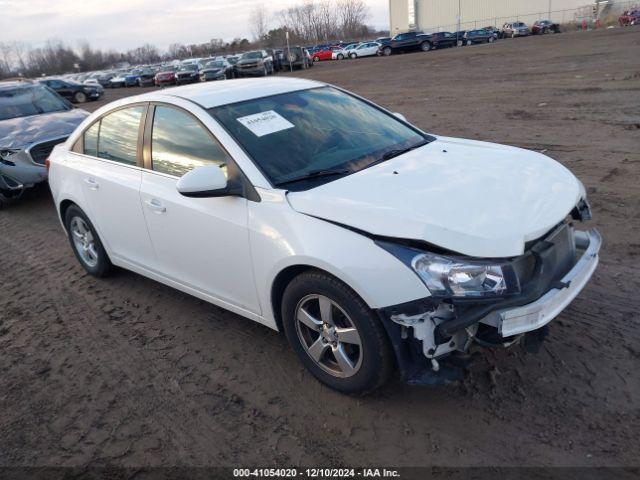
(40, 151)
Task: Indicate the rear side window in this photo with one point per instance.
(179, 143)
(91, 140)
(118, 139)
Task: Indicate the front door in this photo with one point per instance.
(202, 243)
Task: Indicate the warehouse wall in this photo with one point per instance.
(398, 16)
(436, 15)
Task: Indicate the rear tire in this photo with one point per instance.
(425, 46)
(343, 344)
(340, 56)
(353, 56)
(86, 244)
(386, 51)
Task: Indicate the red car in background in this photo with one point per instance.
(322, 55)
(167, 77)
(630, 17)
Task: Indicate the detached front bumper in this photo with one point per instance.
(535, 315)
(429, 334)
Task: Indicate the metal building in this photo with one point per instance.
(442, 15)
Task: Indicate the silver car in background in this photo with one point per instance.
(33, 120)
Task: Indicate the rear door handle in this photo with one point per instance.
(155, 206)
(93, 185)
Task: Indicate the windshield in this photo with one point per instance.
(217, 64)
(187, 68)
(23, 101)
(252, 55)
(299, 134)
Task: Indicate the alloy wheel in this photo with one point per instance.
(84, 242)
(329, 336)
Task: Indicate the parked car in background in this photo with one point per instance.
(33, 119)
(365, 49)
(542, 27)
(477, 36)
(118, 80)
(146, 78)
(239, 198)
(72, 91)
(166, 76)
(296, 58)
(233, 61)
(216, 70)
(338, 53)
(323, 55)
(494, 30)
(255, 63)
(514, 29)
(443, 40)
(131, 78)
(629, 17)
(187, 73)
(407, 42)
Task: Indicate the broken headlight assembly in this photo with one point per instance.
(458, 277)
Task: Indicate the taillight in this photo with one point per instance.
(47, 163)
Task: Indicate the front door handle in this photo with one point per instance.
(155, 206)
(93, 185)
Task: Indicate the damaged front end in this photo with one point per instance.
(506, 300)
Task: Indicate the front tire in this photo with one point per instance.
(79, 97)
(335, 334)
(353, 56)
(425, 46)
(86, 244)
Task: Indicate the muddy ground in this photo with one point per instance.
(126, 371)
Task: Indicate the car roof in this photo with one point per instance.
(215, 94)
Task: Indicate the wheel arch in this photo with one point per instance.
(288, 273)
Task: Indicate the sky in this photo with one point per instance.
(126, 24)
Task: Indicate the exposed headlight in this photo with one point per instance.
(458, 277)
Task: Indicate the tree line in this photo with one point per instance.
(308, 23)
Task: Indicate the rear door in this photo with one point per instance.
(202, 243)
(109, 170)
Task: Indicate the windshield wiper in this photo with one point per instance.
(397, 152)
(314, 174)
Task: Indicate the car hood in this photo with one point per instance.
(19, 132)
(474, 198)
(211, 70)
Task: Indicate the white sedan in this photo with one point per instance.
(338, 53)
(370, 243)
(366, 49)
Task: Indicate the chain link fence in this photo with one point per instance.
(596, 15)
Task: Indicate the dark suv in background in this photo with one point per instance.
(255, 63)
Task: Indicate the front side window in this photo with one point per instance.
(118, 140)
(179, 143)
(294, 136)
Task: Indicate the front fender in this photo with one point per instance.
(280, 238)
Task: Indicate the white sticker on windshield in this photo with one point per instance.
(264, 123)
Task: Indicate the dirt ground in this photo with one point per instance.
(128, 372)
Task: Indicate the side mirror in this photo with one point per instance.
(400, 116)
(207, 181)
